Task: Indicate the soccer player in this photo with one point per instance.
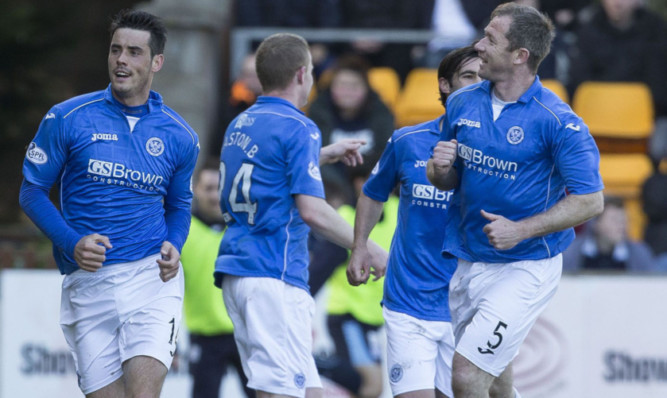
(271, 193)
(510, 148)
(123, 160)
(212, 346)
(417, 280)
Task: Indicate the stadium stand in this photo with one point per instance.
(619, 115)
(418, 101)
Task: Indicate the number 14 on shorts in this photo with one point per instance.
(498, 335)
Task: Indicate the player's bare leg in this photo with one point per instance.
(502, 385)
(469, 381)
(144, 377)
(113, 390)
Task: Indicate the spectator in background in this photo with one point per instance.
(212, 346)
(604, 244)
(243, 93)
(349, 108)
(654, 197)
(621, 40)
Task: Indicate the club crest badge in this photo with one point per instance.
(155, 146)
(396, 373)
(515, 135)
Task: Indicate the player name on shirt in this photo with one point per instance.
(242, 141)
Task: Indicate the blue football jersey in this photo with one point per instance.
(516, 166)
(417, 279)
(113, 180)
(270, 153)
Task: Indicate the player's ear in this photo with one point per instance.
(157, 62)
(521, 56)
(444, 85)
(300, 74)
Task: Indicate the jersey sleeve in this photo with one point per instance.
(448, 133)
(302, 151)
(577, 157)
(178, 200)
(48, 151)
(384, 175)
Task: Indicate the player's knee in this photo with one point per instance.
(462, 382)
(467, 378)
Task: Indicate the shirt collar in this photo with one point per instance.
(525, 97)
(263, 99)
(154, 99)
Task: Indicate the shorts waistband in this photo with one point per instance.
(120, 267)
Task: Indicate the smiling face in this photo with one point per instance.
(493, 50)
(131, 66)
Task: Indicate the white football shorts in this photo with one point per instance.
(273, 331)
(419, 353)
(494, 305)
(119, 312)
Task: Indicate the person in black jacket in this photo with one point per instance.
(349, 108)
(620, 40)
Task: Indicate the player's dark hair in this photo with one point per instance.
(141, 20)
(529, 29)
(278, 58)
(452, 63)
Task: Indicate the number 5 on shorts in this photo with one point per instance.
(492, 347)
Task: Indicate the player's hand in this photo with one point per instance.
(359, 266)
(444, 155)
(169, 263)
(379, 264)
(366, 261)
(346, 151)
(90, 251)
(503, 234)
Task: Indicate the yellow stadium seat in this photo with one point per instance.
(558, 89)
(385, 81)
(419, 101)
(618, 114)
(623, 175)
(636, 218)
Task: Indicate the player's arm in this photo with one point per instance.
(368, 213)
(86, 250)
(346, 151)
(440, 168)
(570, 211)
(323, 219)
(177, 214)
